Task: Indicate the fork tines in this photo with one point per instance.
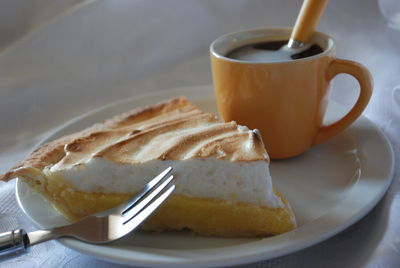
(148, 199)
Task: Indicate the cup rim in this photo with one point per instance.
(327, 51)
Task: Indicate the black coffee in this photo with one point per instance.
(272, 51)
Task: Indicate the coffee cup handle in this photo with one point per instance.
(362, 75)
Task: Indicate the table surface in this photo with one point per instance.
(59, 59)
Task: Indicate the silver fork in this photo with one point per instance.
(102, 227)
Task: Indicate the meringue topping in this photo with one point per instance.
(180, 134)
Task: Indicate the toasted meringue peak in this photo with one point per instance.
(171, 130)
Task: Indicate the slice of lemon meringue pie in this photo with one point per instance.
(223, 185)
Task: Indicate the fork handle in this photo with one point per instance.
(13, 243)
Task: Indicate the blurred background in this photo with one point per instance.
(62, 58)
(59, 59)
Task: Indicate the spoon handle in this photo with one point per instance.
(307, 20)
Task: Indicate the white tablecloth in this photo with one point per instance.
(59, 59)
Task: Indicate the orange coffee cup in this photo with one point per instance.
(285, 100)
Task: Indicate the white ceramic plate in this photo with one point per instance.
(330, 187)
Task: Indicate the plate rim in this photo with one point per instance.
(237, 260)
